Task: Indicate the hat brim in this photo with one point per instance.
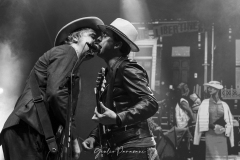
(213, 85)
(132, 45)
(86, 22)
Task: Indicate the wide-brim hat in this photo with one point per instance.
(85, 22)
(125, 30)
(214, 84)
(194, 96)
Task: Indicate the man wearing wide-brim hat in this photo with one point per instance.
(127, 101)
(214, 118)
(23, 135)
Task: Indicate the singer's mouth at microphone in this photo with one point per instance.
(94, 47)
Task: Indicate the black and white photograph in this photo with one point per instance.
(119, 80)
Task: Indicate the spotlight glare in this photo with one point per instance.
(1, 90)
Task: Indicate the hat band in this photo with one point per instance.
(120, 32)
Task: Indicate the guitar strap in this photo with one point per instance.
(112, 80)
(43, 114)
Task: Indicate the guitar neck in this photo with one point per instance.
(101, 127)
(98, 90)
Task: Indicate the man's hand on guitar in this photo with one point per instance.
(106, 118)
(76, 149)
(88, 144)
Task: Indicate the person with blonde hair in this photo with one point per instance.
(42, 107)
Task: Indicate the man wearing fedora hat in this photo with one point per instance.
(215, 119)
(127, 101)
(25, 131)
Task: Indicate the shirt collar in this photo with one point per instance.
(218, 102)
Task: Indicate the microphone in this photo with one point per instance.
(94, 47)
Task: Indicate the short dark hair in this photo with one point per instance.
(125, 48)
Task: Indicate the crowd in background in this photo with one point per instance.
(208, 119)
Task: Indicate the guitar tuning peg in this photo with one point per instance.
(104, 81)
(103, 85)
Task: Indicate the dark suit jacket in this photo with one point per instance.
(51, 70)
(133, 100)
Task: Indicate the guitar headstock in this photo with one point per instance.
(100, 82)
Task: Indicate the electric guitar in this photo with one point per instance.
(100, 86)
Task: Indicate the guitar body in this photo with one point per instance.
(105, 155)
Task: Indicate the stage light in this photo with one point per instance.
(1, 90)
(134, 10)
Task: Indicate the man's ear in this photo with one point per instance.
(75, 39)
(118, 45)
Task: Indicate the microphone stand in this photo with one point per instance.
(67, 151)
(67, 134)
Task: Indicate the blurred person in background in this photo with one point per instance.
(183, 112)
(215, 119)
(196, 103)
